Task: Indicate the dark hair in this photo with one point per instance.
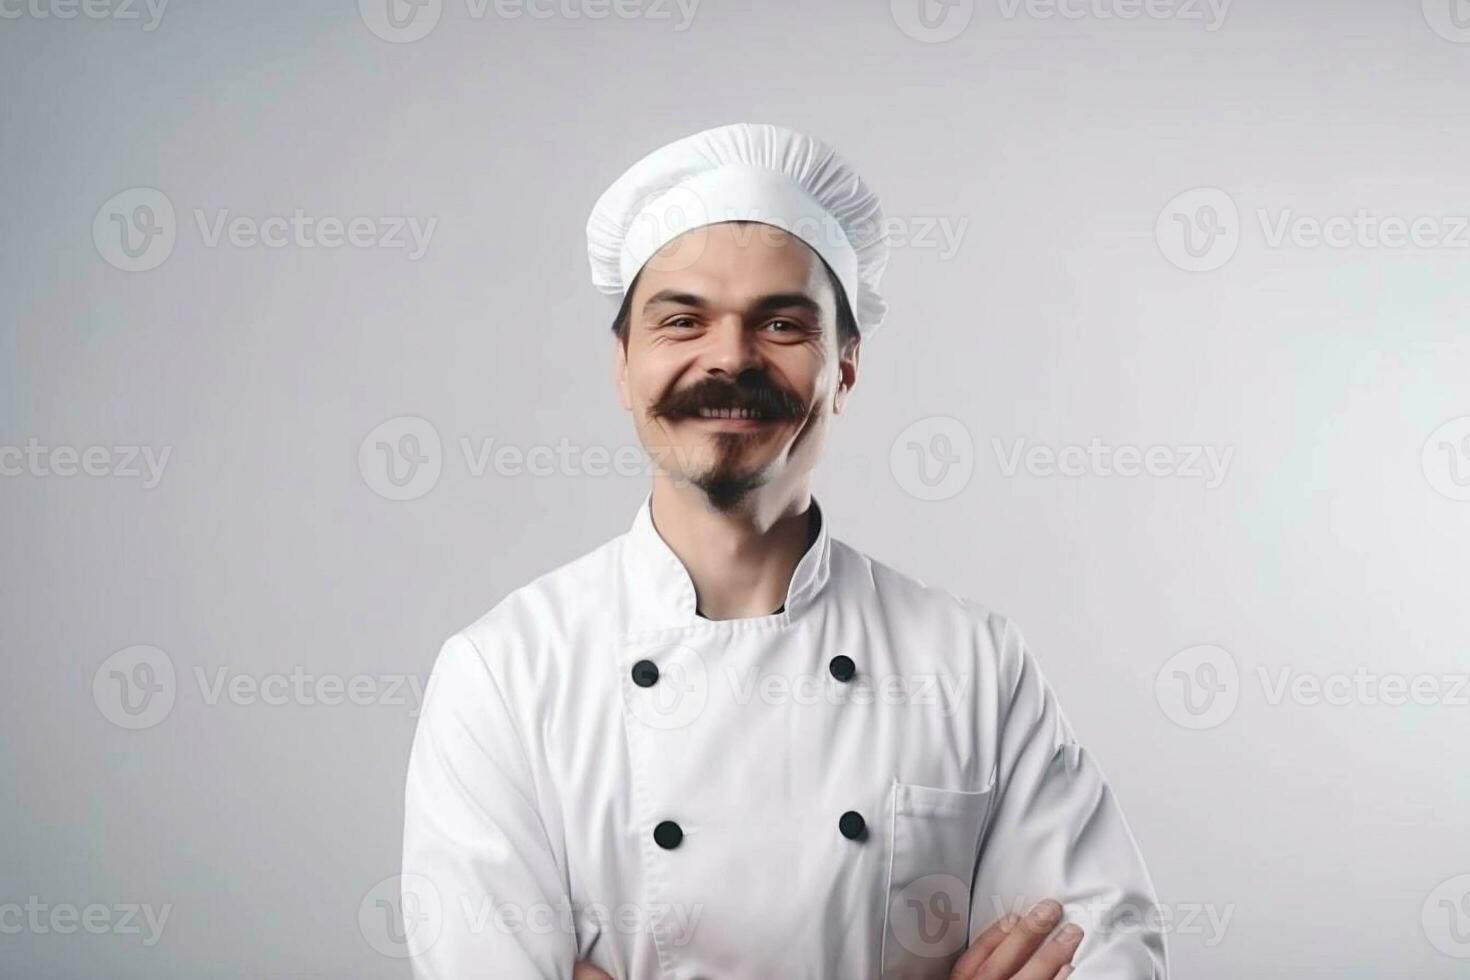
(847, 328)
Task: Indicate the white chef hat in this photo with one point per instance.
(744, 172)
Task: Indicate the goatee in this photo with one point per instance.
(723, 485)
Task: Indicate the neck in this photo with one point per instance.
(740, 561)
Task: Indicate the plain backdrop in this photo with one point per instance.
(295, 603)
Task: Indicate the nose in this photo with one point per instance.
(730, 348)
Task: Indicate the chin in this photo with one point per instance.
(726, 489)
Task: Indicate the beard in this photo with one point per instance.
(724, 484)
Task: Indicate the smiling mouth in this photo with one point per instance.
(734, 414)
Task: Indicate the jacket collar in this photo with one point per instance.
(659, 594)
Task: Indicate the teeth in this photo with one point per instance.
(728, 413)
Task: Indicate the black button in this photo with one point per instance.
(645, 673)
(852, 825)
(668, 835)
(842, 668)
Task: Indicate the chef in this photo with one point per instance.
(725, 744)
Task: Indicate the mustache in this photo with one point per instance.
(751, 391)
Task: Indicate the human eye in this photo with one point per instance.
(785, 327)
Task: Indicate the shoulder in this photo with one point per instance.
(898, 594)
(531, 623)
(862, 573)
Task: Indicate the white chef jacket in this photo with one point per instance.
(852, 787)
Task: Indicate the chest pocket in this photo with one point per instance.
(936, 838)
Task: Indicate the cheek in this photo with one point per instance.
(648, 382)
(817, 384)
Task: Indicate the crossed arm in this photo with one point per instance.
(1012, 948)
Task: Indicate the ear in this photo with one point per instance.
(620, 373)
(847, 372)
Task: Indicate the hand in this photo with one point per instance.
(1012, 949)
(586, 971)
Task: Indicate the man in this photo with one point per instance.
(725, 744)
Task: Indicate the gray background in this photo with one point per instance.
(1332, 835)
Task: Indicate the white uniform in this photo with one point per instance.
(851, 787)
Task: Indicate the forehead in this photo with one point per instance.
(732, 262)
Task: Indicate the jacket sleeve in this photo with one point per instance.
(1056, 831)
(483, 889)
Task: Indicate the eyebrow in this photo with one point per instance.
(766, 304)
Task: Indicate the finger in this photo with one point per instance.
(983, 946)
(586, 971)
(1054, 956)
(1022, 941)
(1065, 972)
